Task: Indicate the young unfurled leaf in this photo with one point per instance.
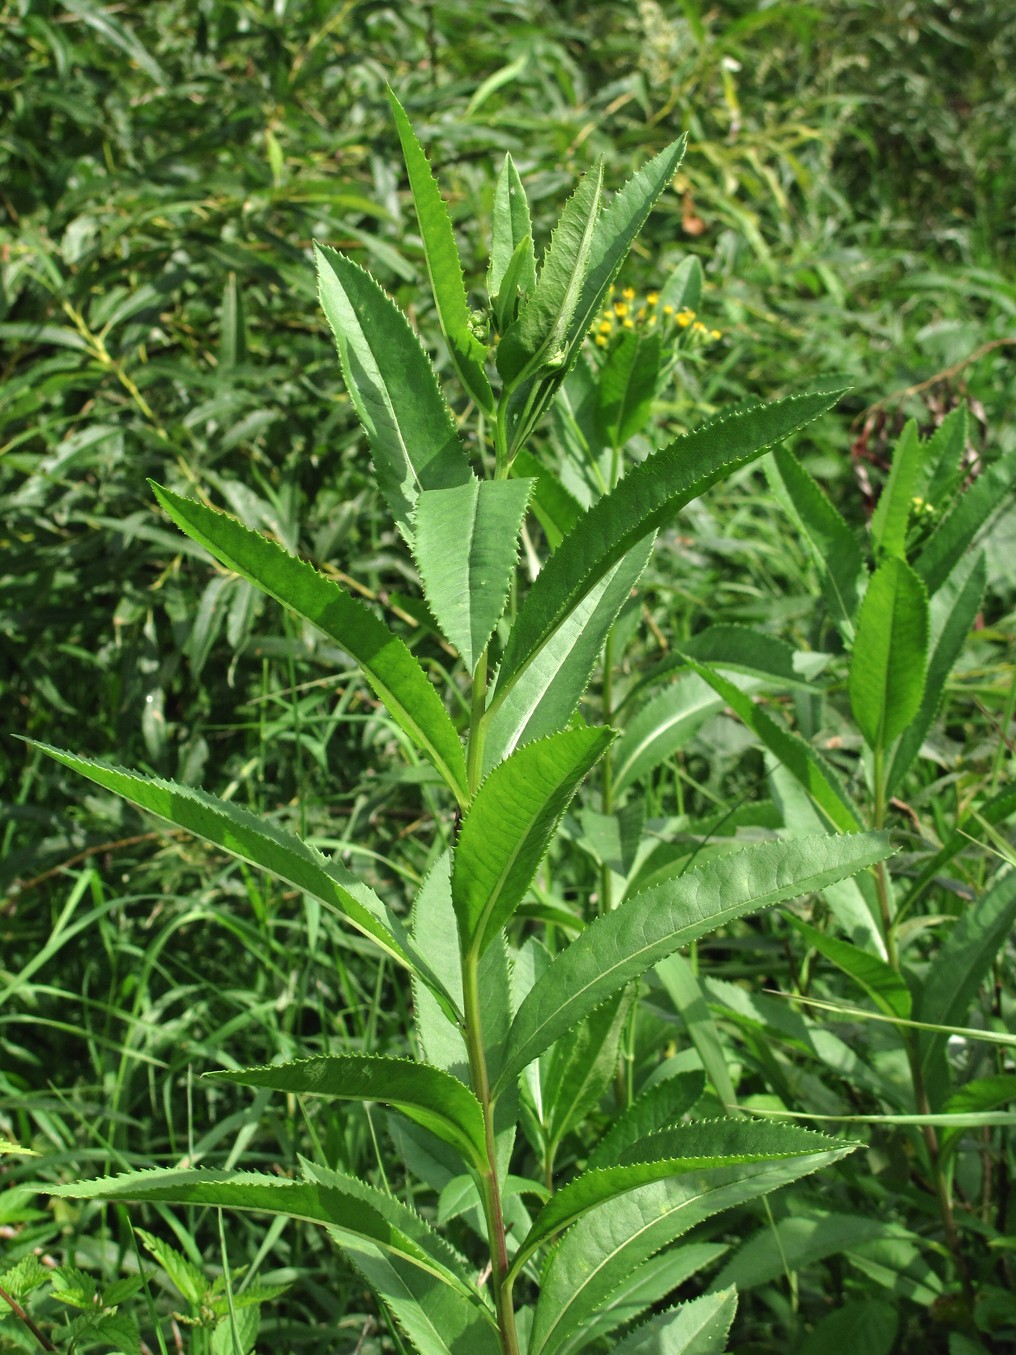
(509, 825)
(443, 265)
(394, 390)
(892, 513)
(426, 1095)
(386, 662)
(890, 654)
(466, 546)
(263, 844)
(512, 269)
(642, 929)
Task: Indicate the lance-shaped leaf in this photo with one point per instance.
(429, 1096)
(646, 927)
(466, 546)
(628, 385)
(949, 541)
(953, 611)
(829, 540)
(556, 509)
(262, 843)
(655, 1108)
(943, 458)
(890, 654)
(662, 726)
(698, 1327)
(892, 513)
(804, 763)
(512, 260)
(547, 693)
(394, 390)
(385, 660)
(443, 264)
(885, 985)
(649, 495)
(509, 825)
(538, 337)
(649, 1285)
(600, 1250)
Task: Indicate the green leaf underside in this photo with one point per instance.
(608, 1243)
(352, 1208)
(549, 690)
(263, 844)
(443, 264)
(800, 759)
(427, 1095)
(466, 546)
(889, 658)
(649, 495)
(698, 1327)
(538, 336)
(385, 661)
(884, 985)
(413, 439)
(509, 825)
(703, 1146)
(646, 927)
(892, 512)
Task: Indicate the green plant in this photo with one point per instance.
(493, 1006)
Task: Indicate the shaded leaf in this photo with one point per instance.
(699, 1327)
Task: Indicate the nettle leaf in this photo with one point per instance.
(429, 1096)
(628, 385)
(699, 1327)
(650, 494)
(509, 825)
(950, 539)
(892, 512)
(646, 927)
(537, 338)
(385, 661)
(545, 696)
(443, 265)
(890, 653)
(512, 259)
(466, 547)
(653, 1109)
(413, 439)
(830, 542)
(611, 1241)
(255, 839)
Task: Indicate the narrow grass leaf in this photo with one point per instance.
(886, 987)
(649, 495)
(684, 988)
(646, 927)
(895, 504)
(429, 1096)
(385, 660)
(890, 653)
(394, 390)
(443, 265)
(466, 547)
(699, 1327)
(263, 844)
(509, 825)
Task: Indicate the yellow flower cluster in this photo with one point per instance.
(626, 312)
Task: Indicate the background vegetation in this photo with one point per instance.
(849, 189)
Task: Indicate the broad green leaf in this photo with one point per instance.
(953, 611)
(830, 541)
(538, 337)
(682, 986)
(549, 689)
(703, 1146)
(804, 762)
(509, 825)
(658, 1106)
(443, 265)
(628, 385)
(391, 382)
(610, 1242)
(385, 660)
(646, 927)
(957, 972)
(512, 260)
(890, 653)
(650, 494)
(886, 987)
(556, 509)
(426, 1095)
(466, 546)
(892, 512)
(865, 1326)
(949, 541)
(699, 1327)
(662, 726)
(262, 843)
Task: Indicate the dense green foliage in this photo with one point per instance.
(848, 191)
